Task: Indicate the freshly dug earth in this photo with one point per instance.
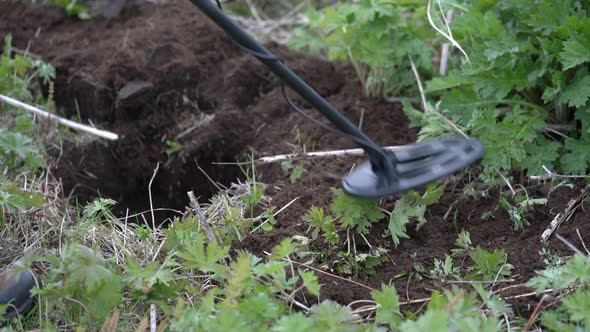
(158, 74)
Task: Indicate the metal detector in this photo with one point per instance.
(386, 172)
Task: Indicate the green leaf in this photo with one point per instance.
(293, 323)
(388, 306)
(330, 316)
(578, 306)
(204, 257)
(576, 93)
(491, 265)
(432, 321)
(539, 154)
(450, 81)
(355, 212)
(576, 50)
(577, 158)
(240, 276)
(310, 281)
(285, 249)
(88, 267)
(575, 272)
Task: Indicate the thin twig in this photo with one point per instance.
(326, 273)
(419, 81)
(150, 194)
(448, 35)
(582, 240)
(153, 322)
(60, 120)
(535, 313)
(444, 52)
(561, 217)
(569, 245)
(202, 220)
(309, 155)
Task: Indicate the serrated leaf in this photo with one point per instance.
(354, 212)
(578, 306)
(491, 265)
(310, 281)
(388, 306)
(284, 249)
(399, 218)
(433, 194)
(293, 323)
(576, 50)
(577, 159)
(544, 153)
(576, 93)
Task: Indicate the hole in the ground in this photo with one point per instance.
(130, 187)
(123, 170)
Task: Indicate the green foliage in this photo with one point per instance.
(388, 307)
(13, 199)
(378, 36)
(444, 270)
(456, 310)
(528, 67)
(411, 207)
(152, 281)
(295, 172)
(489, 265)
(354, 212)
(82, 274)
(18, 153)
(573, 313)
(205, 257)
(18, 73)
(172, 147)
(462, 244)
(360, 263)
(317, 220)
(76, 8)
(574, 273)
(256, 190)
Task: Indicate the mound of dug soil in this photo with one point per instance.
(162, 74)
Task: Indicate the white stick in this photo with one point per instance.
(153, 317)
(320, 154)
(62, 121)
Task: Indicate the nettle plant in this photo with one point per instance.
(378, 37)
(523, 88)
(348, 216)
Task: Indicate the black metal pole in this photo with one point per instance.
(376, 153)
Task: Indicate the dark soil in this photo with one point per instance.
(154, 73)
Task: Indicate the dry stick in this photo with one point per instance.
(535, 313)
(561, 217)
(448, 35)
(150, 194)
(582, 240)
(570, 245)
(419, 81)
(202, 221)
(309, 155)
(60, 120)
(423, 97)
(326, 273)
(444, 52)
(153, 324)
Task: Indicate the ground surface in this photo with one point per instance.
(159, 73)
